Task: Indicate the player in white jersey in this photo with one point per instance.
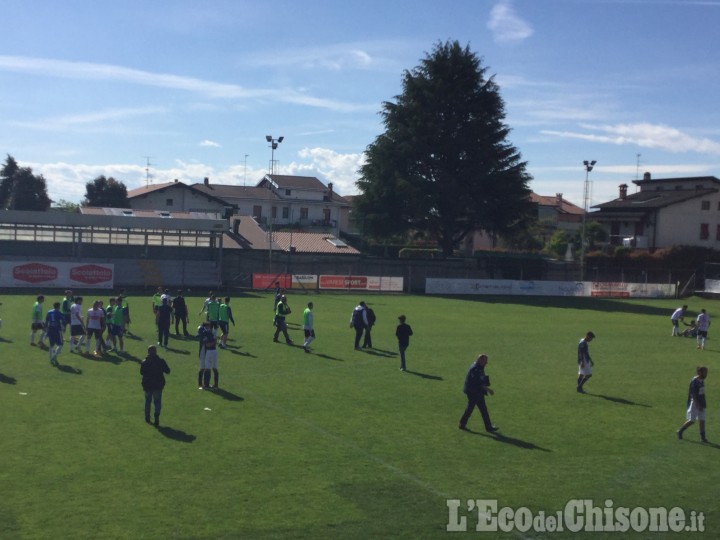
(95, 317)
(675, 318)
(77, 327)
(703, 323)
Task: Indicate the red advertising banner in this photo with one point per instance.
(56, 274)
(343, 282)
(267, 281)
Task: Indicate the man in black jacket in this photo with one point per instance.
(181, 314)
(152, 370)
(477, 385)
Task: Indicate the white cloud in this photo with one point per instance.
(211, 144)
(89, 71)
(102, 118)
(643, 135)
(506, 25)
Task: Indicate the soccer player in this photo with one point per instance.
(122, 298)
(55, 321)
(208, 357)
(37, 321)
(696, 403)
(213, 313)
(403, 333)
(281, 311)
(181, 313)
(163, 320)
(308, 321)
(225, 317)
(585, 363)
(703, 323)
(359, 321)
(117, 320)
(477, 386)
(157, 299)
(77, 326)
(675, 318)
(67, 303)
(95, 317)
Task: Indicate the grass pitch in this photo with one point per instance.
(339, 443)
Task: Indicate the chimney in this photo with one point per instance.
(646, 177)
(558, 200)
(206, 181)
(623, 190)
(330, 189)
(176, 180)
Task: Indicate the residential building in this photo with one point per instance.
(663, 213)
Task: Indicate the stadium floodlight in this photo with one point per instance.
(273, 146)
(586, 197)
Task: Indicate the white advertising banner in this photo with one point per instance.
(548, 288)
(712, 286)
(51, 274)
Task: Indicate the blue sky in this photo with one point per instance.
(91, 87)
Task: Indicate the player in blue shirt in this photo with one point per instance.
(54, 325)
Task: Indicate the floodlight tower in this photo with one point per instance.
(586, 199)
(273, 145)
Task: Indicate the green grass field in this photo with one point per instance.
(340, 443)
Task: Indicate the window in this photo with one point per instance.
(303, 213)
(326, 216)
(287, 192)
(274, 212)
(705, 205)
(168, 202)
(286, 212)
(717, 233)
(257, 211)
(704, 231)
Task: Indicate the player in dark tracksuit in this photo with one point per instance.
(477, 386)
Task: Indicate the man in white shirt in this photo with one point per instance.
(77, 328)
(675, 318)
(95, 316)
(703, 323)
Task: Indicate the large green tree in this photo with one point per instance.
(106, 192)
(444, 166)
(20, 189)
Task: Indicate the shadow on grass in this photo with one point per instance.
(327, 356)
(424, 375)
(375, 352)
(7, 380)
(104, 358)
(69, 369)
(132, 336)
(178, 351)
(499, 437)
(129, 357)
(3, 340)
(240, 353)
(226, 395)
(619, 400)
(176, 434)
(710, 444)
(568, 302)
(387, 353)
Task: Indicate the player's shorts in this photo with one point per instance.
(584, 368)
(224, 326)
(211, 359)
(309, 333)
(66, 318)
(55, 337)
(37, 326)
(94, 332)
(694, 413)
(214, 325)
(675, 322)
(115, 330)
(76, 330)
(201, 357)
(702, 333)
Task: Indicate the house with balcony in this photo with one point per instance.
(277, 201)
(663, 213)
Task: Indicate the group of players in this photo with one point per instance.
(68, 313)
